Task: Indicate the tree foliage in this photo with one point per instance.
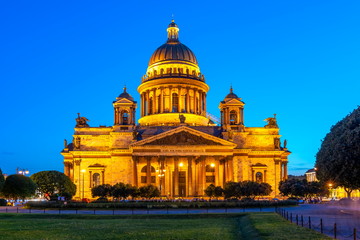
(247, 189)
(123, 191)
(18, 187)
(149, 191)
(103, 191)
(338, 160)
(302, 188)
(54, 182)
(2, 180)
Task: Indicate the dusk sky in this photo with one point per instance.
(298, 59)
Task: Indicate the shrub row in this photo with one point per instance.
(160, 205)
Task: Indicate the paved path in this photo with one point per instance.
(346, 218)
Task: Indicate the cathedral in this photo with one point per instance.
(175, 145)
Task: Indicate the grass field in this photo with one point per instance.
(211, 226)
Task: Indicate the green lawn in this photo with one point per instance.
(212, 226)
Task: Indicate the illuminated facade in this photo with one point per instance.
(176, 144)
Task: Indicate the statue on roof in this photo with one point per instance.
(81, 121)
(182, 118)
(272, 123)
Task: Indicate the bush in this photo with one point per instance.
(3, 202)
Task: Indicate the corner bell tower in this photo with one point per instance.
(124, 110)
(232, 111)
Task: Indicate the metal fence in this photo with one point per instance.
(321, 225)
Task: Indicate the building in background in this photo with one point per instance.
(175, 145)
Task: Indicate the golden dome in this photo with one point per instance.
(173, 51)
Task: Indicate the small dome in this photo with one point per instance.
(126, 95)
(231, 94)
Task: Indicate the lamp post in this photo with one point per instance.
(161, 173)
(83, 183)
(330, 190)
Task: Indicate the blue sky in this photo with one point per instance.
(298, 59)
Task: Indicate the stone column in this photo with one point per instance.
(90, 179)
(135, 171)
(190, 181)
(170, 100)
(187, 100)
(285, 171)
(176, 176)
(161, 100)
(203, 176)
(217, 179)
(148, 170)
(155, 106)
(142, 104)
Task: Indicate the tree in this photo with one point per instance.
(103, 190)
(293, 187)
(18, 187)
(2, 180)
(122, 190)
(232, 190)
(218, 192)
(338, 160)
(50, 183)
(210, 191)
(264, 189)
(149, 191)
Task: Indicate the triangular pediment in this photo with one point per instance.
(123, 100)
(234, 101)
(183, 136)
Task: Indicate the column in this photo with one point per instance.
(203, 176)
(148, 170)
(90, 179)
(148, 102)
(265, 177)
(142, 104)
(180, 100)
(161, 100)
(135, 172)
(205, 102)
(176, 176)
(285, 171)
(187, 100)
(189, 182)
(224, 171)
(170, 100)
(217, 179)
(231, 169)
(155, 106)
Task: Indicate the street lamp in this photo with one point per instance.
(161, 173)
(22, 171)
(83, 183)
(330, 190)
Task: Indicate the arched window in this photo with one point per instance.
(125, 118)
(96, 179)
(175, 102)
(259, 177)
(152, 172)
(233, 117)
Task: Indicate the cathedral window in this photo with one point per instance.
(210, 173)
(96, 179)
(144, 172)
(175, 102)
(259, 177)
(125, 118)
(233, 117)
